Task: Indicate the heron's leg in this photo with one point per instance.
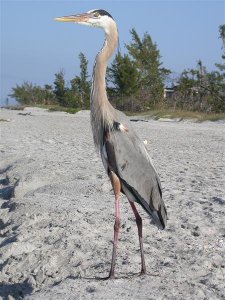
(139, 226)
(116, 187)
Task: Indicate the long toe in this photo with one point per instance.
(143, 272)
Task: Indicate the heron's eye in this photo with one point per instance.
(96, 14)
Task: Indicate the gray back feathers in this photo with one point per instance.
(122, 151)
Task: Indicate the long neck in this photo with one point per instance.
(102, 112)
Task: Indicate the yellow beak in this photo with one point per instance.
(74, 18)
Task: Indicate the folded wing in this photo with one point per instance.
(127, 156)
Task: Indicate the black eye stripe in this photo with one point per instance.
(102, 12)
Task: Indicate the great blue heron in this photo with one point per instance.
(123, 154)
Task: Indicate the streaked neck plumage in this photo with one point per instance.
(102, 112)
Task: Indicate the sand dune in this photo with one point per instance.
(57, 212)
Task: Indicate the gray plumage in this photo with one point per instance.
(127, 157)
(124, 155)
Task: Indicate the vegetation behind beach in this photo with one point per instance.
(137, 81)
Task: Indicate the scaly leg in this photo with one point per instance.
(139, 226)
(116, 187)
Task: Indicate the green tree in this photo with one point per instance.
(222, 33)
(124, 76)
(215, 91)
(48, 95)
(221, 66)
(31, 94)
(80, 85)
(147, 59)
(75, 90)
(72, 99)
(60, 88)
(24, 93)
(201, 90)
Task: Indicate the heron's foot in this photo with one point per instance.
(111, 275)
(143, 272)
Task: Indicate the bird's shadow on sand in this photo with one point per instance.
(125, 277)
(16, 290)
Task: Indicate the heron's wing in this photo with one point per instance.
(128, 158)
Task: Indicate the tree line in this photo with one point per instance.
(136, 81)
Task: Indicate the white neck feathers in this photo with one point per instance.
(102, 112)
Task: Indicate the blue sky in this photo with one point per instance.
(34, 47)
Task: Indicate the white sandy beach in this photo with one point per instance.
(57, 212)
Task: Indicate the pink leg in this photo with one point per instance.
(115, 242)
(116, 187)
(139, 226)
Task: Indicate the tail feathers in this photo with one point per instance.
(156, 208)
(162, 215)
(159, 215)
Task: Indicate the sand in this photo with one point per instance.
(57, 212)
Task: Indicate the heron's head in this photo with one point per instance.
(96, 17)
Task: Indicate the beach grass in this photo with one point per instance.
(69, 110)
(180, 115)
(52, 108)
(152, 114)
